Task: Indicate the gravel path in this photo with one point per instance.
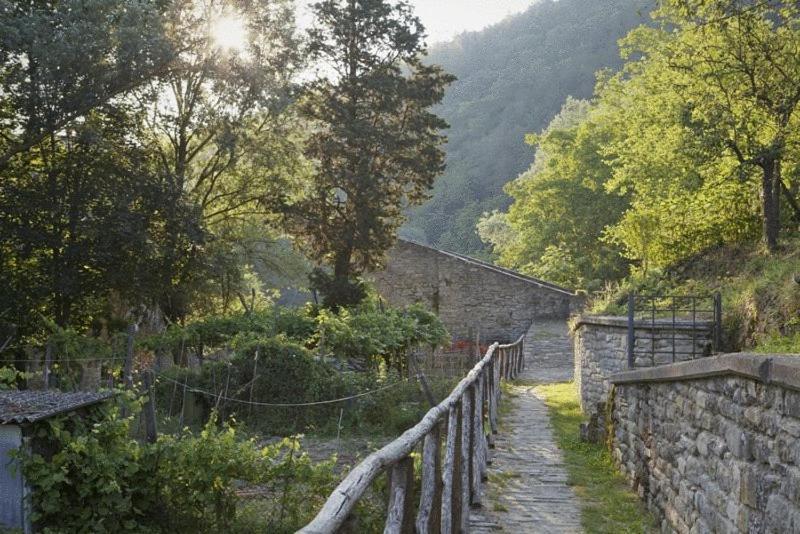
(527, 489)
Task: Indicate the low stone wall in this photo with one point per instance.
(712, 445)
(601, 350)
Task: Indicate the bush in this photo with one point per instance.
(374, 336)
(218, 331)
(89, 475)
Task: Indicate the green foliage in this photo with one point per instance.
(337, 292)
(269, 366)
(10, 377)
(555, 226)
(219, 331)
(760, 299)
(198, 500)
(134, 155)
(91, 476)
(375, 144)
(375, 336)
(69, 238)
(513, 77)
(88, 475)
(102, 50)
(683, 150)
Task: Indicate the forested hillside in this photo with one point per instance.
(512, 79)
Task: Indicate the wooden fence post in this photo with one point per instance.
(253, 381)
(48, 359)
(127, 373)
(466, 457)
(451, 501)
(399, 518)
(149, 409)
(478, 466)
(491, 401)
(430, 498)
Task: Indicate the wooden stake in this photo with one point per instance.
(149, 410)
(127, 373)
(48, 357)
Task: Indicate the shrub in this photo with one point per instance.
(376, 336)
(218, 331)
(89, 475)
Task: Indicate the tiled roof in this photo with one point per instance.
(30, 406)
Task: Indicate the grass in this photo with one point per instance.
(789, 344)
(608, 506)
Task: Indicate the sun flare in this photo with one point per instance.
(230, 33)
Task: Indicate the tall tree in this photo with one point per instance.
(561, 208)
(78, 221)
(374, 140)
(216, 111)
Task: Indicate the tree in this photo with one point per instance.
(135, 151)
(61, 60)
(79, 214)
(737, 65)
(554, 227)
(218, 126)
(375, 144)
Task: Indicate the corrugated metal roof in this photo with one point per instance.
(30, 406)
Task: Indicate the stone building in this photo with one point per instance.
(470, 296)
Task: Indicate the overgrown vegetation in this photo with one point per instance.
(760, 293)
(681, 158)
(608, 506)
(301, 357)
(679, 152)
(87, 474)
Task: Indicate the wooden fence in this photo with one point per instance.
(449, 485)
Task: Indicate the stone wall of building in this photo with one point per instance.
(601, 350)
(712, 445)
(469, 296)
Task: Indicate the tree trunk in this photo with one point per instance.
(341, 265)
(770, 197)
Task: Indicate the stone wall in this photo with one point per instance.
(601, 350)
(469, 296)
(713, 445)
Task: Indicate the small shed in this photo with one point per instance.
(19, 410)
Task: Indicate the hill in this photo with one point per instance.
(513, 78)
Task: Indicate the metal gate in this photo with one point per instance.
(668, 328)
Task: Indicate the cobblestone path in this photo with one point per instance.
(527, 490)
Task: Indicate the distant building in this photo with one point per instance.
(469, 295)
(19, 410)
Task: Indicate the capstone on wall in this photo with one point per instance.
(601, 350)
(713, 445)
(471, 297)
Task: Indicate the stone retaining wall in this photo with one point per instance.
(601, 350)
(712, 445)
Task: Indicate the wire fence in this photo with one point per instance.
(180, 390)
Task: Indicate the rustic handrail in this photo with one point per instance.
(450, 484)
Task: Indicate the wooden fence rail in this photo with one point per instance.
(461, 427)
